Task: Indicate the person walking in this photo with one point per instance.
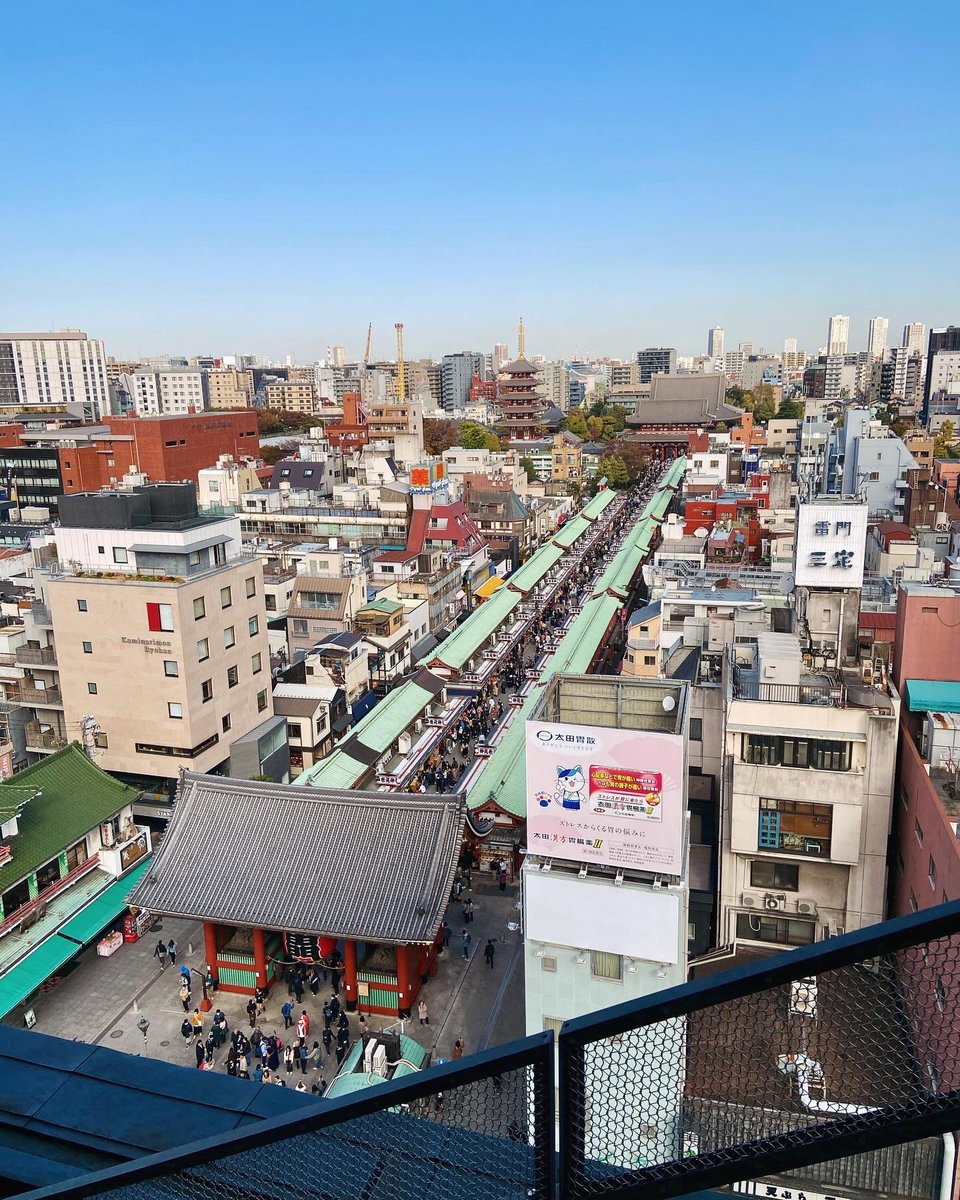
(446, 935)
(287, 1013)
(186, 1031)
(327, 1014)
(305, 1023)
(468, 910)
(172, 951)
(201, 1055)
(196, 1020)
(422, 1013)
(316, 1055)
(503, 877)
(465, 938)
(458, 1049)
(160, 951)
(488, 952)
(288, 1057)
(252, 1011)
(185, 997)
(327, 1036)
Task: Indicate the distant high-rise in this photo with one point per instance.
(747, 348)
(838, 335)
(944, 345)
(54, 370)
(715, 342)
(456, 373)
(501, 355)
(656, 360)
(336, 356)
(914, 336)
(877, 337)
(789, 345)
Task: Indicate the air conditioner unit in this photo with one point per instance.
(750, 901)
(807, 907)
(380, 1060)
(774, 903)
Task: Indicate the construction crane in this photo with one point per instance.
(401, 380)
(366, 353)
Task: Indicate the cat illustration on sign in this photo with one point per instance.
(571, 784)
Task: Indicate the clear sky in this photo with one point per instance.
(204, 177)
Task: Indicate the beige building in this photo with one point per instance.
(291, 396)
(150, 638)
(641, 659)
(227, 387)
(566, 464)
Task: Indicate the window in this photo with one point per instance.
(199, 608)
(319, 599)
(100, 741)
(649, 660)
(194, 559)
(226, 597)
(932, 873)
(229, 637)
(253, 626)
(299, 626)
(225, 722)
(48, 874)
(261, 700)
(913, 902)
(918, 832)
(256, 664)
(88, 647)
(768, 750)
(696, 729)
(203, 650)
(170, 668)
(233, 677)
(270, 603)
(293, 730)
(783, 930)
(783, 876)
(606, 966)
(120, 554)
(160, 618)
(250, 585)
(206, 690)
(175, 710)
(77, 854)
(81, 606)
(794, 826)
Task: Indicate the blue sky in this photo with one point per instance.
(211, 177)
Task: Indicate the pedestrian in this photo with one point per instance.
(446, 935)
(488, 952)
(327, 1040)
(185, 997)
(252, 1011)
(503, 877)
(468, 910)
(457, 1049)
(335, 1006)
(160, 951)
(258, 1074)
(298, 985)
(327, 1014)
(186, 1031)
(301, 1086)
(422, 1013)
(316, 1054)
(288, 1057)
(196, 1020)
(172, 951)
(185, 975)
(314, 981)
(305, 1022)
(287, 1013)
(303, 1055)
(273, 1055)
(361, 1022)
(201, 1055)
(465, 938)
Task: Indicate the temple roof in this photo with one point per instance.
(519, 366)
(270, 856)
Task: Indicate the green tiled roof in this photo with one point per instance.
(12, 799)
(383, 605)
(482, 623)
(76, 797)
(571, 531)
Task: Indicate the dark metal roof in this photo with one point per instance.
(225, 833)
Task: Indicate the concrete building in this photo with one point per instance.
(915, 337)
(501, 356)
(907, 382)
(874, 462)
(289, 395)
(64, 370)
(227, 482)
(173, 391)
(456, 372)
(944, 341)
(312, 711)
(322, 604)
(877, 337)
(838, 335)
(228, 387)
(656, 360)
(807, 810)
(715, 342)
(733, 361)
(149, 633)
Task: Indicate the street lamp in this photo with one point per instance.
(143, 1025)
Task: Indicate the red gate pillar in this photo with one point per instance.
(350, 973)
(404, 993)
(260, 957)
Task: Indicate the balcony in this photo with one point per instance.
(36, 656)
(42, 739)
(820, 692)
(40, 614)
(42, 697)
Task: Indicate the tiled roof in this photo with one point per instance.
(76, 797)
(412, 841)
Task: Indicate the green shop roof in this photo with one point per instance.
(69, 796)
(383, 605)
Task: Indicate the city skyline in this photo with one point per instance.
(280, 210)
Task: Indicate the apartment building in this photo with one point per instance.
(289, 395)
(149, 636)
(228, 387)
(64, 370)
(172, 391)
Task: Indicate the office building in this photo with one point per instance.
(877, 337)
(151, 632)
(656, 360)
(943, 342)
(733, 362)
(228, 387)
(63, 370)
(715, 342)
(501, 356)
(172, 391)
(838, 335)
(456, 374)
(914, 336)
(789, 346)
(290, 395)
(336, 356)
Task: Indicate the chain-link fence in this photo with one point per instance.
(838, 1047)
(485, 1128)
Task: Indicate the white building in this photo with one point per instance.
(54, 370)
(715, 342)
(877, 337)
(227, 482)
(173, 391)
(501, 356)
(914, 336)
(838, 335)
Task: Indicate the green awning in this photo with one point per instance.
(84, 926)
(36, 968)
(932, 695)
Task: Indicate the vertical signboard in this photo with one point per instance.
(612, 796)
(830, 544)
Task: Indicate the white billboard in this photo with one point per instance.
(830, 545)
(612, 796)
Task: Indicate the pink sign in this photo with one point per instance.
(612, 796)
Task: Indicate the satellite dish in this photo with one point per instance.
(668, 704)
(787, 585)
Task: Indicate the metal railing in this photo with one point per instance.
(823, 695)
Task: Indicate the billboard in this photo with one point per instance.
(830, 544)
(612, 796)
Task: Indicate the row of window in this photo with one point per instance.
(820, 754)
(794, 826)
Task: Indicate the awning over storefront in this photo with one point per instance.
(932, 695)
(84, 926)
(488, 587)
(22, 980)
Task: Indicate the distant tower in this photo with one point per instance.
(877, 337)
(715, 342)
(914, 337)
(838, 334)
(521, 341)
(501, 356)
(789, 345)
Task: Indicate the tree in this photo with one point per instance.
(735, 395)
(439, 434)
(577, 423)
(273, 453)
(526, 464)
(615, 469)
(790, 409)
(472, 436)
(943, 446)
(635, 457)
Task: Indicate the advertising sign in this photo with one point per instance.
(612, 796)
(830, 542)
